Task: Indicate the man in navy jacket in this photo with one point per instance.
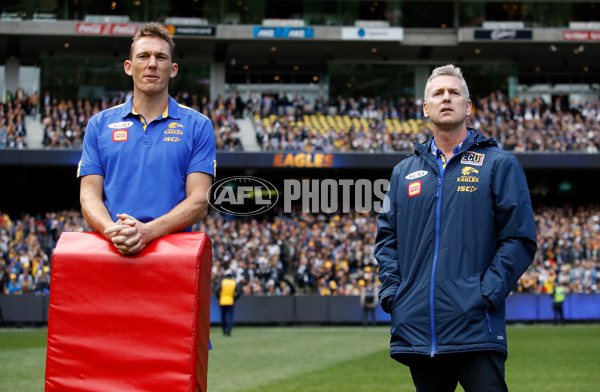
(454, 235)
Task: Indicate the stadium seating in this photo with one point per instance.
(357, 125)
(285, 253)
(13, 131)
(518, 125)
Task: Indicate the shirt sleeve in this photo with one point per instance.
(204, 157)
(90, 162)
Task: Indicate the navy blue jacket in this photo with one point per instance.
(452, 246)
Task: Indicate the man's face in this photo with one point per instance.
(446, 103)
(151, 65)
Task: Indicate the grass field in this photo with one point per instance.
(542, 358)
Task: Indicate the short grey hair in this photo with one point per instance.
(449, 69)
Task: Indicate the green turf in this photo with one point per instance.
(542, 358)
(552, 359)
(22, 359)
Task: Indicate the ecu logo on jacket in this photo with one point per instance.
(472, 158)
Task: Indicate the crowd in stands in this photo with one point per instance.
(13, 133)
(223, 112)
(388, 125)
(26, 246)
(568, 250)
(310, 253)
(64, 120)
(339, 124)
(286, 253)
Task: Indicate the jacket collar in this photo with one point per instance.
(475, 138)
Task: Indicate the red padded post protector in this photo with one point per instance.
(129, 323)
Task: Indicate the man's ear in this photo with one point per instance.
(425, 109)
(127, 67)
(174, 69)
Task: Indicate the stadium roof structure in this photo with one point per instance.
(542, 51)
(552, 55)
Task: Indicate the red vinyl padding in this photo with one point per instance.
(129, 323)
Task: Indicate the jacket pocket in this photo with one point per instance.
(395, 299)
(409, 322)
(460, 312)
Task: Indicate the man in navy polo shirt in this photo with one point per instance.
(147, 164)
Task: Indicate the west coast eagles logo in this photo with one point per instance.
(466, 171)
(468, 175)
(173, 130)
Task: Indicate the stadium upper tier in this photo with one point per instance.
(350, 47)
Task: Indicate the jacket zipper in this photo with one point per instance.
(436, 250)
(435, 258)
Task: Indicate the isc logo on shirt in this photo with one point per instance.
(120, 135)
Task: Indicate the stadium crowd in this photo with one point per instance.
(63, 120)
(282, 254)
(336, 125)
(13, 133)
(376, 124)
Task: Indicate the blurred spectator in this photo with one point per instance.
(368, 301)
(34, 102)
(558, 298)
(228, 292)
(14, 286)
(13, 133)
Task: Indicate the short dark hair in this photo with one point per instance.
(154, 29)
